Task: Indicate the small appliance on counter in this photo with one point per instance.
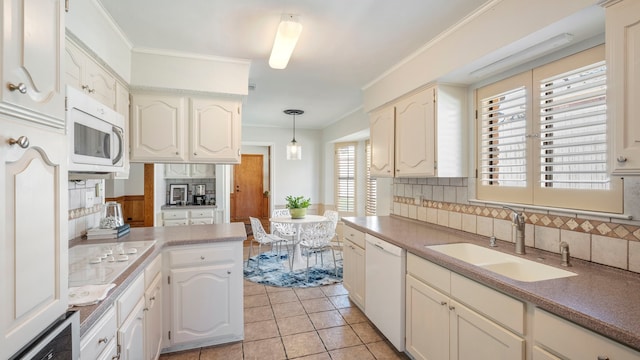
(199, 194)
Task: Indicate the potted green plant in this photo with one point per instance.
(297, 206)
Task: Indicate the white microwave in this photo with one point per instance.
(95, 134)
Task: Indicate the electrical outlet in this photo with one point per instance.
(88, 199)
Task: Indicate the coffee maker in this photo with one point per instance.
(199, 194)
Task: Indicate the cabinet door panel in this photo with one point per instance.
(157, 128)
(32, 56)
(415, 135)
(102, 85)
(131, 334)
(475, 337)
(215, 130)
(427, 321)
(153, 319)
(202, 303)
(33, 260)
(382, 142)
(623, 84)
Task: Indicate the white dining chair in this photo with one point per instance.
(334, 217)
(262, 238)
(315, 239)
(287, 231)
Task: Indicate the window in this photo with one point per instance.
(370, 197)
(345, 171)
(542, 137)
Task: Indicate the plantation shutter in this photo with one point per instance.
(371, 192)
(571, 122)
(345, 177)
(503, 127)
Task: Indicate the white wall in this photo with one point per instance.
(291, 177)
(87, 21)
(192, 72)
(502, 23)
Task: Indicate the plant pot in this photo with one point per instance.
(298, 213)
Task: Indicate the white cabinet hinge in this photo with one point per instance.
(66, 5)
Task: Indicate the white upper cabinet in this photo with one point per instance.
(162, 129)
(421, 135)
(623, 84)
(157, 128)
(382, 131)
(214, 127)
(32, 53)
(84, 73)
(415, 135)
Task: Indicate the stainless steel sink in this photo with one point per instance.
(504, 264)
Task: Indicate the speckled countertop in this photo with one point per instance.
(164, 237)
(600, 298)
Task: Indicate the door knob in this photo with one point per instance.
(22, 88)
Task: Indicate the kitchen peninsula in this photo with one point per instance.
(602, 301)
(198, 271)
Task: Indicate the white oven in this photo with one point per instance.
(95, 133)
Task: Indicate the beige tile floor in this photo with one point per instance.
(299, 323)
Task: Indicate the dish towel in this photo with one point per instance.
(88, 294)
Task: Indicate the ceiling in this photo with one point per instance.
(344, 45)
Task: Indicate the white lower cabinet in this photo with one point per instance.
(205, 287)
(100, 341)
(131, 334)
(556, 336)
(153, 310)
(189, 217)
(354, 265)
(439, 326)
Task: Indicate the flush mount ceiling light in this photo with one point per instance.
(294, 150)
(286, 38)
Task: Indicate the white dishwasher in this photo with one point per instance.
(385, 266)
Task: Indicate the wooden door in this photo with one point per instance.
(247, 188)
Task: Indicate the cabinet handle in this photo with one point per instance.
(91, 91)
(177, 153)
(103, 340)
(621, 159)
(195, 154)
(603, 357)
(443, 303)
(22, 141)
(145, 309)
(22, 88)
(85, 87)
(452, 308)
(152, 298)
(201, 257)
(228, 272)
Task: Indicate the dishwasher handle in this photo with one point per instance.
(383, 245)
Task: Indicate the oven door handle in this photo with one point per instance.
(118, 133)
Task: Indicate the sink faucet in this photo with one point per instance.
(517, 220)
(564, 252)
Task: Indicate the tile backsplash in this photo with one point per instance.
(84, 211)
(445, 201)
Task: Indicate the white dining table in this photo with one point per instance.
(298, 223)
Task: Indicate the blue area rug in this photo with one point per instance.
(274, 271)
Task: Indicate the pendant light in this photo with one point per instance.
(294, 150)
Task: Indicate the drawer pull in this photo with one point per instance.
(201, 257)
(103, 340)
(145, 309)
(452, 308)
(152, 298)
(621, 159)
(603, 357)
(443, 303)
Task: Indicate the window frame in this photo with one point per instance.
(337, 179)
